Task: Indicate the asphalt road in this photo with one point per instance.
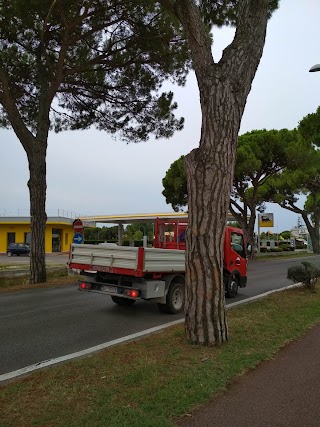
(42, 324)
(24, 260)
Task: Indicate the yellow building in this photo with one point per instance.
(59, 233)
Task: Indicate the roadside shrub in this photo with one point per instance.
(306, 273)
(263, 250)
(286, 246)
(276, 250)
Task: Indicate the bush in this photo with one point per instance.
(263, 250)
(276, 250)
(306, 273)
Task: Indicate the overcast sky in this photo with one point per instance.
(91, 174)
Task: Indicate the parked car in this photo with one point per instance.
(18, 249)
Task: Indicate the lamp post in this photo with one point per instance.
(314, 68)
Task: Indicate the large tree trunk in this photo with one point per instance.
(223, 89)
(37, 190)
(209, 172)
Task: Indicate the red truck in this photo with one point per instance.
(157, 274)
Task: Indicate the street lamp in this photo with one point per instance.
(314, 68)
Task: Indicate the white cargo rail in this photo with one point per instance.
(125, 259)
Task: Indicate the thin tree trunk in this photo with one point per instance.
(37, 190)
(249, 239)
(249, 231)
(35, 147)
(313, 233)
(317, 236)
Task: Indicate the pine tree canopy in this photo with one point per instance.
(91, 62)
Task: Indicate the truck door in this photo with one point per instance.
(238, 259)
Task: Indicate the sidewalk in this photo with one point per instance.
(283, 392)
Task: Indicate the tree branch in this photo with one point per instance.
(198, 37)
(250, 32)
(14, 116)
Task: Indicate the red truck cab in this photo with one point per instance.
(170, 234)
(235, 260)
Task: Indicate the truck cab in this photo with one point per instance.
(234, 261)
(171, 234)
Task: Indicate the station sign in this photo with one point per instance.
(265, 220)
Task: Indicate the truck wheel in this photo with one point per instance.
(122, 301)
(175, 299)
(231, 286)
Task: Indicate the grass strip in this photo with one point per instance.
(280, 255)
(154, 381)
(57, 277)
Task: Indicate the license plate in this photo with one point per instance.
(111, 289)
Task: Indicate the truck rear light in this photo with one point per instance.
(84, 285)
(131, 293)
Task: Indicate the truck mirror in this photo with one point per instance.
(249, 249)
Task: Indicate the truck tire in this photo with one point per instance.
(231, 286)
(122, 301)
(175, 299)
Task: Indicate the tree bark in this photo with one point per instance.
(209, 172)
(313, 231)
(37, 190)
(208, 180)
(223, 89)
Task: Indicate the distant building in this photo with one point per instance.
(300, 231)
(58, 235)
(299, 235)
